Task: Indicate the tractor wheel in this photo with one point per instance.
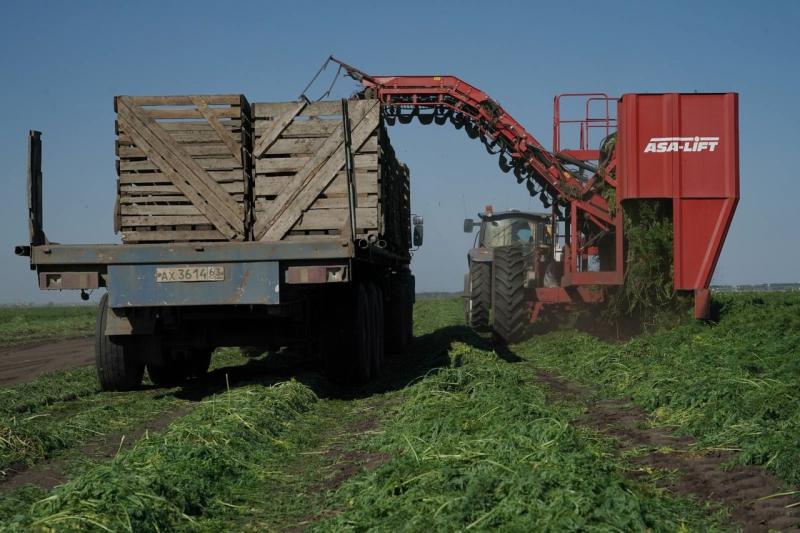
(479, 295)
(510, 314)
(376, 314)
(118, 366)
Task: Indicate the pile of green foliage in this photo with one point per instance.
(476, 446)
(164, 481)
(648, 293)
(731, 385)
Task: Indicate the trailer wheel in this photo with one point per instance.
(377, 328)
(118, 366)
(363, 334)
(510, 313)
(479, 295)
(167, 375)
(200, 362)
(398, 315)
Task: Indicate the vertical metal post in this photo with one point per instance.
(348, 165)
(35, 231)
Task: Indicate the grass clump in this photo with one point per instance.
(476, 446)
(731, 385)
(164, 481)
(28, 324)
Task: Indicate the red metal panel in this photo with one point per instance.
(684, 147)
(678, 146)
(700, 227)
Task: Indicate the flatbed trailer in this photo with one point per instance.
(343, 291)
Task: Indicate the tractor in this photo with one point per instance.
(513, 252)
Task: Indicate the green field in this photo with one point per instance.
(460, 434)
(20, 325)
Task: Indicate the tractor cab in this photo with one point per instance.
(511, 228)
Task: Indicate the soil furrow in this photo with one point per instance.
(751, 493)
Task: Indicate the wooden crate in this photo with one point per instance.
(184, 168)
(301, 187)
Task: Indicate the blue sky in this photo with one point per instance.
(62, 63)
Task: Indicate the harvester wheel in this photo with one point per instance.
(479, 295)
(510, 315)
(118, 366)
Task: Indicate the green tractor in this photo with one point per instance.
(513, 252)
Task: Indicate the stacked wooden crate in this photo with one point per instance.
(301, 185)
(184, 168)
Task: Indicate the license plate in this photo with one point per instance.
(190, 273)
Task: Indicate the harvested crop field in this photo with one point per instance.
(693, 428)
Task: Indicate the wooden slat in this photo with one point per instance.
(340, 202)
(145, 210)
(205, 163)
(163, 220)
(270, 135)
(210, 149)
(302, 197)
(220, 176)
(135, 190)
(172, 236)
(161, 113)
(221, 210)
(294, 164)
(213, 99)
(366, 182)
(307, 128)
(366, 218)
(230, 142)
(273, 109)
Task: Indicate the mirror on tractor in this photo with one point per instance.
(418, 230)
(469, 225)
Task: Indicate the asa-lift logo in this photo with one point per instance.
(681, 144)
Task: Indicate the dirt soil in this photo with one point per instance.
(22, 363)
(750, 492)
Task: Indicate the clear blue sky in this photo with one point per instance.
(62, 63)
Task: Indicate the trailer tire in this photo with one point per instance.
(167, 375)
(360, 358)
(509, 312)
(377, 328)
(398, 315)
(479, 295)
(118, 366)
(201, 361)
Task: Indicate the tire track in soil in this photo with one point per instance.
(50, 473)
(743, 489)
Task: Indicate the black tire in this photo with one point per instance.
(509, 312)
(168, 374)
(377, 344)
(398, 319)
(118, 366)
(479, 296)
(200, 362)
(360, 358)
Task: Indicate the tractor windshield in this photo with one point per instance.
(509, 231)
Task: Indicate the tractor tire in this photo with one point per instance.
(376, 306)
(479, 296)
(510, 316)
(118, 366)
